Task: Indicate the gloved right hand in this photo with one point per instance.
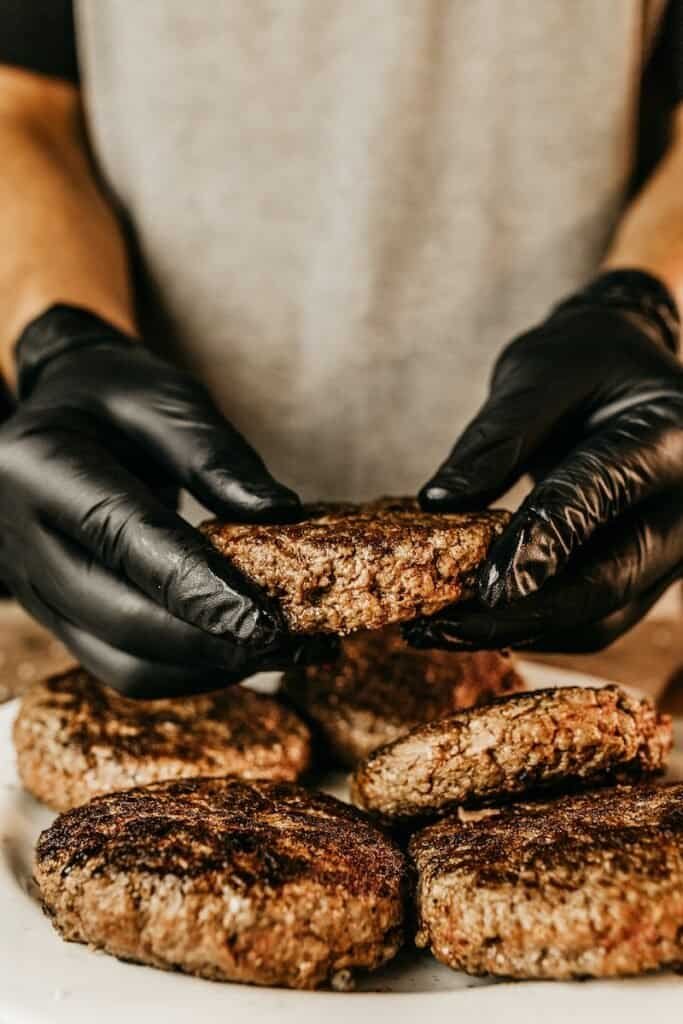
(89, 543)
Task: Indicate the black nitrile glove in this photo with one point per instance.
(90, 543)
(591, 404)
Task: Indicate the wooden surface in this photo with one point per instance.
(27, 651)
(649, 657)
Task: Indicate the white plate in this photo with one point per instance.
(46, 981)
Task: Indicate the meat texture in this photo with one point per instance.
(258, 882)
(589, 885)
(76, 738)
(381, 688)
(348, 567)
(555, 738)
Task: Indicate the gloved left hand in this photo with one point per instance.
(104, 434)
(591, 404)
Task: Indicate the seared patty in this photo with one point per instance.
(516, 745)
(75, 738)
(347, 567)
(588, 885)
(381, 688)
(258, 882)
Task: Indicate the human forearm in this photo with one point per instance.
(650, 235)
(59, 238)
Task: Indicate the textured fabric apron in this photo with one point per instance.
(345, 208)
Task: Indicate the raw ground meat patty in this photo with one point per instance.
(349, 567)
(381, 688)
(259, 882)
(516, 745)
(589, 885)
(76, 738)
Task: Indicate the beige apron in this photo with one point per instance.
(347, 207)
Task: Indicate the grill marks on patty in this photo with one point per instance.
(590, 885)
(76, 738)
(259, 882)
(269, 832)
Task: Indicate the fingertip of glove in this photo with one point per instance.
(261, 628)
(419, 633)
(451, 491)
(319, 649)
(425, 634)
(275, 505)
(519, 563)
(286, 507)
(437, 496)
(250, 618)
(239, 497)
(432, 496)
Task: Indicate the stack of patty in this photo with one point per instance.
(300, 902)
(197, 851)
(549, 855)
(224, 876)
(587, 884)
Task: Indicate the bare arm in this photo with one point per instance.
(59, 237)
(650, 236)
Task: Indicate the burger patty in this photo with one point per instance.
(587, 886)
(516, 745)
(75, 738)
(259, 882)
(348, 567)
(381, 688)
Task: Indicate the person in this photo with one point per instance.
(318, 225)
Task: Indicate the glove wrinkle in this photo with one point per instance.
(622, 569)
(104, 434)
(596, 406)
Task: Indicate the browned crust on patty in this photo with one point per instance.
(259, 882)
(589, 885)
(515, 745)
(347, 567)
(380, 688)
(76, 738)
